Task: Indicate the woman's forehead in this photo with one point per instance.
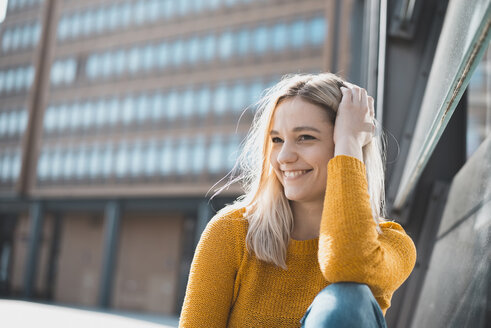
(296, 111)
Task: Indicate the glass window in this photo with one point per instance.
(177, 52)
(63, 118)
(70, 70)
(150, 152)
(107, 64)
(81, 162)
(140, 12)
(137, 159)
(77, 112)
(87, 22)
(12, 123)
(6, 40)
(220, 99)
(143, 108)
(75, 25)
(101, 113)
(317, 31)
(233, 149)
(24, 116)
(184, 7)
(172, 105)
(208, 47)
(226, 45)
(239, 97)
(128, 110)
(187, 102)
(15, 38)
(62, 28)
(134, 60)
(119, 62)
(29, 76)
(3, 123)
(49, 121)
(260, 39)
(198, 5)
(16, 165)
(153, 8)
(9, 80)
(56, 164)
(148, 57)
(298, 33)
(43, 166)
(107, 160)
(199, 154)
(2, 81)
(69, 164)
(36, 33)
(182, 157)
(113, 111)
(100, 20)
(126, 14)
(122, 160)
(215, 155)
(6, 167)
(256, 89)
(193, 50)
(280, 37)
(203, 101)
(163, 55)
(114, 16)
(157, 106)
(169, 8)
(87, 118)
(213, 4)
(25, 36)
(166, 158)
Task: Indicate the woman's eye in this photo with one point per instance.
(304, 137)
(276, 140)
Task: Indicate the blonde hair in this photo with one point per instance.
(268, 210)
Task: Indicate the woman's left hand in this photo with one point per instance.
(354, 126)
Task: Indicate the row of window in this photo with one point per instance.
(215, 154)
(20, 4)
(242, 42)
(128, 13)
(13, 123)
(16, 79)
(10, 165)
(21, 37)
(63, 71)
(167, 105)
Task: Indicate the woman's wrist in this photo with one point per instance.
(349, 147)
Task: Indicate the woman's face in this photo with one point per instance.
(302, 145)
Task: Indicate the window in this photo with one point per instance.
(143, 108)
(69, 164)
(151, 158)
(172, 105)
(169, 8)
(157, 106)
(177, 52)
(107, 160)
(119, 62)
(148, 57)
(113, 111)
(107, 64)
(163, 55)
(239, 97)
(280, 37)
(122, 160)
(114, 16)
(75, 25)
(199, 153)
(215, 155)
(3, 123)
(187, 102)
(208, 47)
(298, 33)
(220, 101)
(101, 113)
(63, 118)
(256, 89)
(261, 40)
(77, 111)
(128, 110)
(137, 159)
(317, 31)
(87, 115)
(43, 166)
(166, 158)
(56, 164)
(182, 157)
(193, 50)
(226, 45)
(233, 149)
(203, 101)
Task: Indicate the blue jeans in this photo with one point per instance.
(344, 305)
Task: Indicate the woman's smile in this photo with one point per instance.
(294, 174)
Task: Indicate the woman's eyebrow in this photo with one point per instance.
(298, 129)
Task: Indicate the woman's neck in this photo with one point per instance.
(306, 220)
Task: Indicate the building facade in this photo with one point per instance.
(117, 117)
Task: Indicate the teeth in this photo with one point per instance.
(292, 174)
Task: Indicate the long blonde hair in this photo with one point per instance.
(267, 209)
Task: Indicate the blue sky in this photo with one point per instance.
(3, 6)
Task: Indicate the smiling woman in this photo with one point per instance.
(309, 229)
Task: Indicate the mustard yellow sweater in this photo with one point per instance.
(228, 287)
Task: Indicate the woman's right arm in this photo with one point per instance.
(211, 281)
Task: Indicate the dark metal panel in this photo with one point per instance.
(36, 228)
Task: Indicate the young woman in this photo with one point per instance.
(306, 246)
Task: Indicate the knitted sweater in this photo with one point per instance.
(228, 287)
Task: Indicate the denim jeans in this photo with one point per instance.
(344, 305)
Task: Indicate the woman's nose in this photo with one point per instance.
(287, 154)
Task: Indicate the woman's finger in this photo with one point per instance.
(363, 98)
(347, 96)
(371, 106)
(355, 90)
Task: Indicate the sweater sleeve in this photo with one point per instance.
(350, 248)
(211, 281)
